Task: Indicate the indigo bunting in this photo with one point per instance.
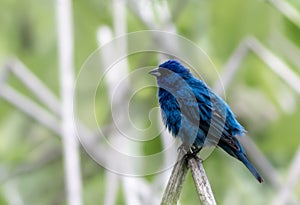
(198, 116)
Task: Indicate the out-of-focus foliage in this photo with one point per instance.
(30, 155)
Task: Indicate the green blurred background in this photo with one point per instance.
(31, 158)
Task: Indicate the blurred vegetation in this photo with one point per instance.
(28, 32)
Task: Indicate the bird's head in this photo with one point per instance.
(170, 68)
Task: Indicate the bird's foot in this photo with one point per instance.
(189, 153)
(195, 149)
(192, 149)
(183, 149)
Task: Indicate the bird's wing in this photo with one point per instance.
(211, 116)
(195, 103)
(216, 128)
(207, 111)
(222, 136)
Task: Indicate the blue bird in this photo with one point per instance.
(198, 116)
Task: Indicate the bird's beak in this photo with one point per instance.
(155, 72)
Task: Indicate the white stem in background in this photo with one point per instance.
(111, 188)
(31, 108)
(275, 64)
(287, 10)
(285, 193)
(12, 194)
(35, 85)
(70, 141)
(231, 67)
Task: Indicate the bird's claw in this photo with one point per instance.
(195, 149)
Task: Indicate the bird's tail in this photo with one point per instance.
(235, 149)
(242, 157)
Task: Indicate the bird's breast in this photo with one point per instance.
(170, 112)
